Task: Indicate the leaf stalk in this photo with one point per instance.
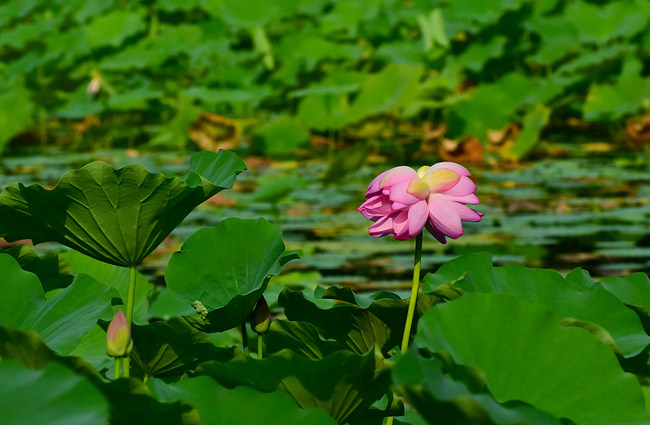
(130, 297)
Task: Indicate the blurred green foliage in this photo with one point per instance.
(147, 69)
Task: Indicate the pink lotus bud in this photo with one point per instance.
(118, 336)
(261, 317)
(402, 202)
(94, 85)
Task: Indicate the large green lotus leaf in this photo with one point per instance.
(25, 347)
(255, 13)
(559, 38)
(53, 395)
(116, 277)
(533, 123)
(133, 404)
(324, 112)
(53, 271)
(61, 320)
(225, 268)
(217, 405)
(116, 216)
(476, 55)
(593, 308)
(525, 355)
(633, 290)
(491, 106)
(20, 292)
(16, 110)
(441, 398)
(341, 383)
(171, 348)
(112, 29)
(273, 188)
(478, 264)
(393, 88)
(598, 58)
(300, 337)
(92, 349)
(359, 323)
(165, 305)
(281, 137)
(610, 102)
(472, 15)
(600, 23)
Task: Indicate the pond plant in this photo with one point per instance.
(401, 202)
(493, 345)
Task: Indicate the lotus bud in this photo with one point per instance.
(118, 336)
(94, 85)
(261, 317)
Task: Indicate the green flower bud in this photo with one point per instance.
(118, 336)
(261, 317)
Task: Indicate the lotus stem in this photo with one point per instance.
(129, 315)
(244, 338)
(413, 300)
(417, 262)
(260, 346)
(117, 367)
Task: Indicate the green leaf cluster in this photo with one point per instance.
(493, 345)
(148, 70)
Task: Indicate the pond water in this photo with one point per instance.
(590, 211)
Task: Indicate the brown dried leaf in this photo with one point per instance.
(466, 150)
(212, 132)
(637, 132)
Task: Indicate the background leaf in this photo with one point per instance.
(15, 111)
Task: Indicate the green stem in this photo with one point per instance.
(117, 367)
(260, 346)
(129, 315)
(244, 338)
(417, 261)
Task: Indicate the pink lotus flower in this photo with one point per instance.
(402, 202)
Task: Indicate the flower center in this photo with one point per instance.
(441, 179)
(418, 188)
